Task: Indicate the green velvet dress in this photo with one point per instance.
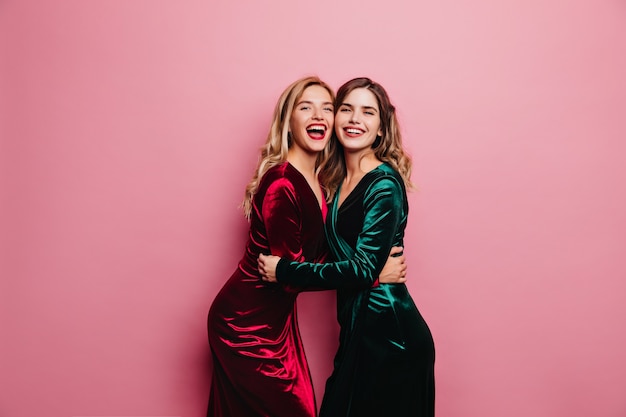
(385, 362)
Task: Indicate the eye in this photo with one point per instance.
(328, 109)
(344, 109)
(370, 112)
(304, 107)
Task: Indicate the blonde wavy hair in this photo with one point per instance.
(274, 151)
(388, 147)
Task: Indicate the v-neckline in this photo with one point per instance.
(321, 204)
(358, 184)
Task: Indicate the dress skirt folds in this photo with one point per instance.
(385, 362)
(259, 365)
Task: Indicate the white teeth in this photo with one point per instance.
(354, 131)
(318, 128)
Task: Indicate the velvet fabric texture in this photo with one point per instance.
(385, 362)
(259, 366)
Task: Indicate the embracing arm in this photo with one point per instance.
(282, 220)
(383, 207)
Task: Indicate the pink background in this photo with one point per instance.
(130, 128)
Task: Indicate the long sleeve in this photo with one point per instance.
(383, 208)
(282, 219)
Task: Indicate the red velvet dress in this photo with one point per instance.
(259, 366)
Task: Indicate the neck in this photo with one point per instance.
(359, 163)
(303, 162)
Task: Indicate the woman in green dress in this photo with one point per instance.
(385, 362)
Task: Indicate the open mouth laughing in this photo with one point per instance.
(316, 131)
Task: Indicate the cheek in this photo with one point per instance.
(292, 125)
(295, 123)
(339, 118)
(377, 127)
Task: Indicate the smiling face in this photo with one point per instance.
(312, 120)
(357, 122)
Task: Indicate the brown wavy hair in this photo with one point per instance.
(274, 151)
(388, 147)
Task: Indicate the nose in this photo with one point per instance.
(317, 113)
(354, 117)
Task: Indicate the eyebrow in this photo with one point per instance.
(310, 102)
(365, 107)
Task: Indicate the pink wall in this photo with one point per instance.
(129, 129)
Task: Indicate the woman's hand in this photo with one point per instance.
(394, 271)
(267, 267)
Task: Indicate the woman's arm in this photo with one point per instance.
(383, 205)
(394, 271)
(282, 219)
